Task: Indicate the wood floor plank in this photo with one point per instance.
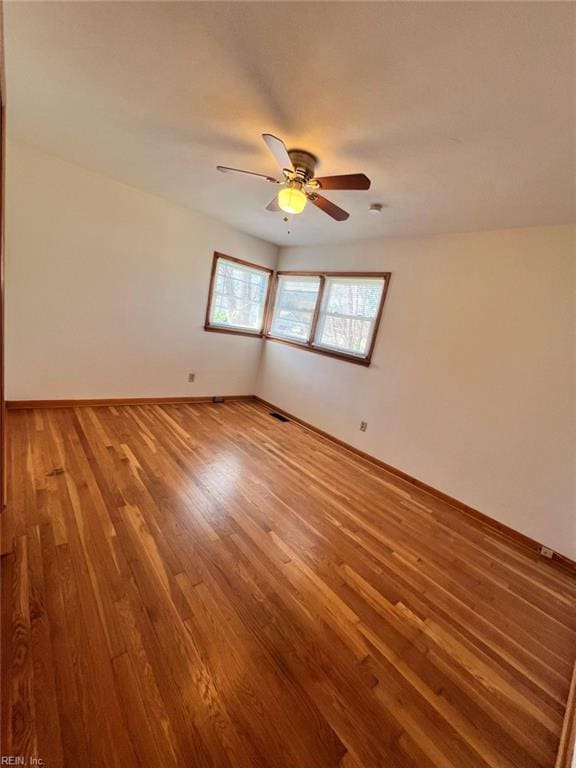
(204, 585)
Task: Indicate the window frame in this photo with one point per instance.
(265, 307)
(309, 343)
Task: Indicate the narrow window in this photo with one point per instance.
(238, 296)
(294, 307)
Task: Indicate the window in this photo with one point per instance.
(329, 312)
(294, 307)
(238, 296)
(348, 314)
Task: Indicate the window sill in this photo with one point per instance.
(298, 344)
(318, 351)
(234, 331)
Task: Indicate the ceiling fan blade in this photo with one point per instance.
(325, 205)
(273, 205)
(347, 181)
(278, 149)
(225, 169)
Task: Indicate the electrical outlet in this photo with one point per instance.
(547, 552)
(363, 426)
(191, 377)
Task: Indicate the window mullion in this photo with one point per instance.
(271, 298)
(316, 315)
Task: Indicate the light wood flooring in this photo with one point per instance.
(202, 585)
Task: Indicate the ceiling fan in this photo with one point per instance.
(299, 185)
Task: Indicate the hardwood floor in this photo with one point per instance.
(203, 585)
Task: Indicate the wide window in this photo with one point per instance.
(329, 312)
(238, 296)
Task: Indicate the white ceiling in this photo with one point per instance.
(462, 114)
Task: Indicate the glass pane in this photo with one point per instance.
(238, 297)
(292, 324)
(294, 307)
(353, 297)
(346, 334)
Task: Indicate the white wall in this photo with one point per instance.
(472, 384)
(106, 289)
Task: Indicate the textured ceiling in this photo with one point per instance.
(463, 114)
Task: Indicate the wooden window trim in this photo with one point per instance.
(309, 345)
(265, 310)
(316, 315)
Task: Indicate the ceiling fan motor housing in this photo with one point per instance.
(304, 164)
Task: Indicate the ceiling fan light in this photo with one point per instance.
(292, 200)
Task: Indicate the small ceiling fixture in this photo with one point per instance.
(375, 208)
(292, 199)
(299, 184)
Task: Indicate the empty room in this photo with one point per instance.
(288, 402)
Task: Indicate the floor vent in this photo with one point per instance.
(217, 399)
(278, 416)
